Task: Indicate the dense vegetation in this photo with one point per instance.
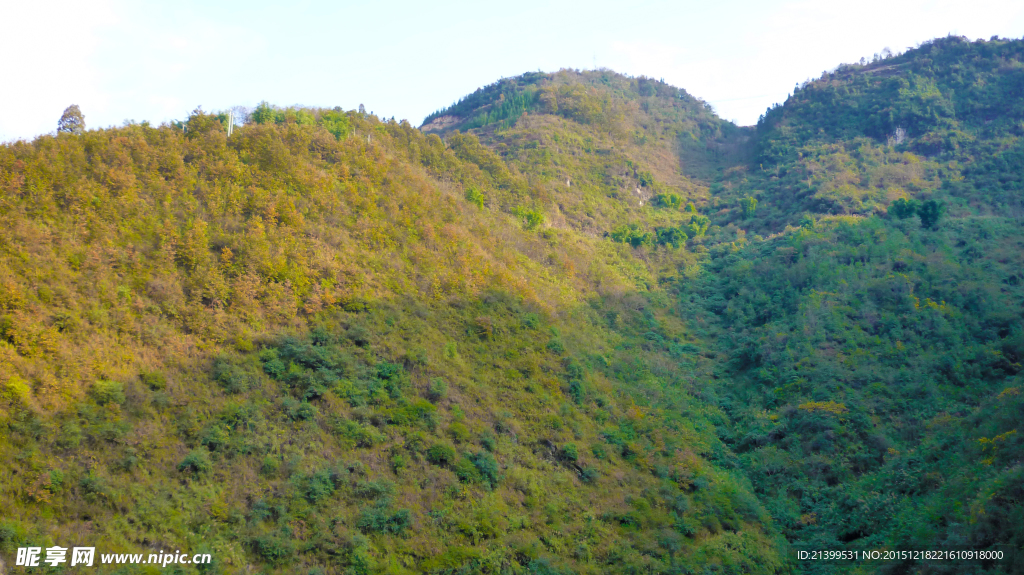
(541, 335)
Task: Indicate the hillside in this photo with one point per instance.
(576, 323)
(303, 349)
(944, 121)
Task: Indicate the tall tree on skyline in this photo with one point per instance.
(71, 121)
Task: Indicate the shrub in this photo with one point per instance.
(8, 535)
(94, 487)
(272, 548)
(398, 463)
(387, 371)
(459, 432)
(542, 566)
(16, 389)
(668, 201)
(215, 438)
(233, 378)
(360, 434)
(299, 410)
(633, 235)
(196, 463)
(487, 467)
(570, 452)
(154, 380)
(419, 411)
(70, 435)
(475, 197)
(374, 489)
(466, 471)
(105, 391)
(531, 321)
(531, 219)
(438, 389)
(646, 179)
(488, 442)
(272, 364)
(555, 346)
(577, 391)
(319, 486)
(380, 519)
(441, 454)
(270, 465)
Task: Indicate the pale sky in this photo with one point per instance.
(157, 61)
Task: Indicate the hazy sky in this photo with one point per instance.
(157, 61)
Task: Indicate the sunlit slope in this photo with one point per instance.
(609, 150)
(331, 344)
(942, 121)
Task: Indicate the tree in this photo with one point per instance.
(264, 113)
(748, 205)
(199, 123)
(903, 208)
(475, 197)
(698, 226)
(930, 212)
(72, 121)
(668, 200)
(633, 235)
(670, 236)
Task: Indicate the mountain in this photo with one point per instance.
(575, 323)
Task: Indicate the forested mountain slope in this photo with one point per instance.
(944, 121)
(307, 350)
(542, 334)
(871, 360)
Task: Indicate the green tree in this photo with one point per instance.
(748, 205)
(698, 226)
(633, 235)
(264, 114)
(475, 197)
(668, 200)
(930, 212)
(670, 236)
(532, 219)
(903, 208)
(336, 122)
(71, 121)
